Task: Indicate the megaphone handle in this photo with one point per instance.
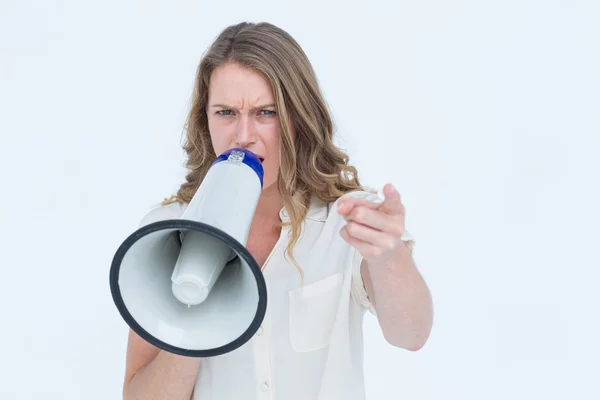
(201, 260)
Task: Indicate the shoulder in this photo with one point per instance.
(332, 214)
(362, 194)
(358, 194)
(162, 212)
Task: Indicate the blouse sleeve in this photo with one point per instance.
(358, 291)
(161, 213)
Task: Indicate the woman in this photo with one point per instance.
(315, 227)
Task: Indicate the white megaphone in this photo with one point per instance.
(189, 285)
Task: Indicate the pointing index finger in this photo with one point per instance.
(392, 203)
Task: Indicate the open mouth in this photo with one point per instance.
(261, 159)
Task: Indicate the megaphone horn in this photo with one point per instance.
(188, 285)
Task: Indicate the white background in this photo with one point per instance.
(485, 115)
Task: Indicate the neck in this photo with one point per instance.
(269, 205)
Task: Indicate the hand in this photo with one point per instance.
(374, 229)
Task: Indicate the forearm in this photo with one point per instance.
(167, 376)
(402, 301)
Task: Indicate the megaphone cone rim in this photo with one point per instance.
(200, 227)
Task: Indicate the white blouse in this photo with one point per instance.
(310, 344)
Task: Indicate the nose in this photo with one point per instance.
(246, 133)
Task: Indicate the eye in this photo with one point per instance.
(268, 112)
(224, 112)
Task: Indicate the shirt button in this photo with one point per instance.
(259, 331)
(264, 386)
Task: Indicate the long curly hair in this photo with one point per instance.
(310, 163)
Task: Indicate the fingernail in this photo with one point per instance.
(341, 205)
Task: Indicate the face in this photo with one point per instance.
(241, 113)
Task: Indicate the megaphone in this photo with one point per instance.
(188, 285)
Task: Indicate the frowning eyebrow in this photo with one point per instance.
(227, 107)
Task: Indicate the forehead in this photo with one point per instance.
(235, 85)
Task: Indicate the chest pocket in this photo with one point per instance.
(313, 308)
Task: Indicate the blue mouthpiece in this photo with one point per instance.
(243, 156)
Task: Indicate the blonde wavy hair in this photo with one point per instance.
(310, 162)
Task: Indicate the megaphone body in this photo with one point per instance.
(189, 285)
